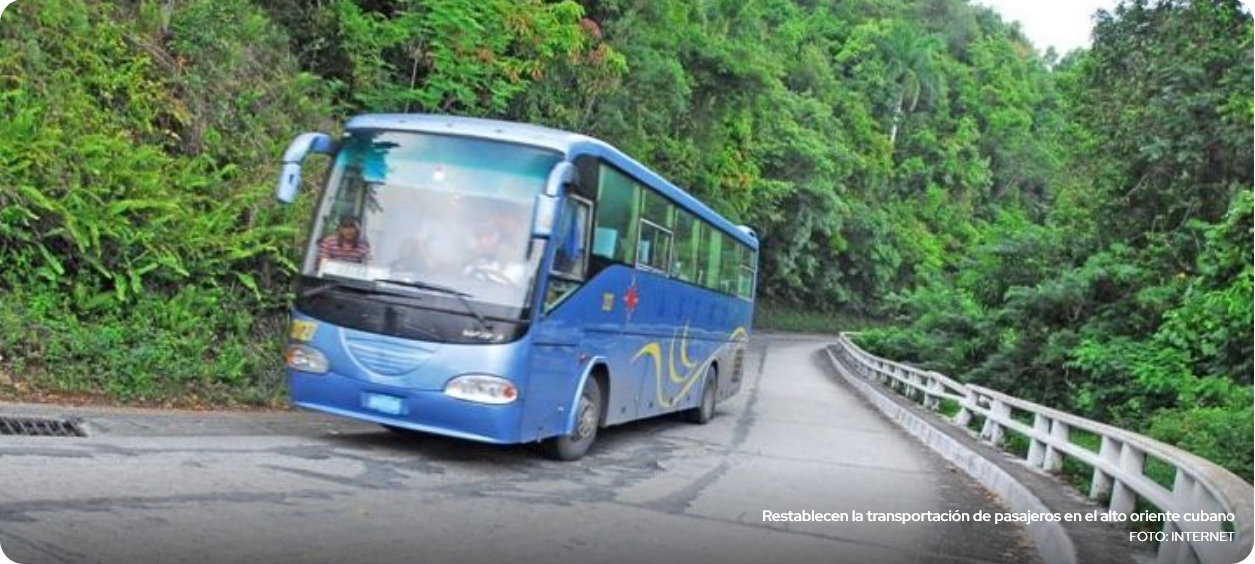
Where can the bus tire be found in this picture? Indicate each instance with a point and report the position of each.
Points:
(705, 410)
(587, 419)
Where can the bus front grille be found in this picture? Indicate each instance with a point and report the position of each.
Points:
(385, 357)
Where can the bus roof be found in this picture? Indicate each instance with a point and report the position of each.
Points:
(571, 145)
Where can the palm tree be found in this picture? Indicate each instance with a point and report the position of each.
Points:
(911, 56)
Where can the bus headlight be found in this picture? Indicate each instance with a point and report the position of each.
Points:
(482, 388)
(305, 359)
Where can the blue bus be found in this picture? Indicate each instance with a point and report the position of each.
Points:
(509, 283)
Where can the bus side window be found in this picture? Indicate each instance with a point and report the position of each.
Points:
(749, 267)
(618, 208)
(730, 268)
(657, 219)
(712, 248)
(571, 255)
(570, 258)
(684, 263)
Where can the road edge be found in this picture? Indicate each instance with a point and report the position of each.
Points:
(1053, 542)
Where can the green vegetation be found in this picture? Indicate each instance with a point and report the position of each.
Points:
(1075, 229)
(1129, 300)
(777, 316)
(141, 254)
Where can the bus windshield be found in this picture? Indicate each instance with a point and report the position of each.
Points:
(431, 213)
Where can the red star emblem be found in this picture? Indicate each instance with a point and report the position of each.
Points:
(632, 298)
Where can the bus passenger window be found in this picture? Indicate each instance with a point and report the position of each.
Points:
(745, 284)
(713, 249)
(730, 268)
(684, 263)
(618, 207)
(655, 247)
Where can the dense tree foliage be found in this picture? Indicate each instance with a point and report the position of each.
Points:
(1077, 230)
(1131, 299)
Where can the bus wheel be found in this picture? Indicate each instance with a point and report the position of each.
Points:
(705, 411)
(587, 418)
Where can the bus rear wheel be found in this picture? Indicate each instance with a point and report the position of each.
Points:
(705, 411)
(587, 419)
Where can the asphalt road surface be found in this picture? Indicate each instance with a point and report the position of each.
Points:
(300, 487)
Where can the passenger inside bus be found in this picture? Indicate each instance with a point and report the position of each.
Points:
(346, 244)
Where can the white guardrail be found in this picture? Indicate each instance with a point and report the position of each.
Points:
(1199, 485)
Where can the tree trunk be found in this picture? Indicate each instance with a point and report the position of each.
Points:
(897, 119)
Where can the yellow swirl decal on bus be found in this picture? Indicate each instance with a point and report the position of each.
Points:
(684, 349)
(693, 370)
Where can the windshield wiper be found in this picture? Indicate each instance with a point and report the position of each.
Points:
(460, 295)
(329, 285)
(372, 286)
(422, 286)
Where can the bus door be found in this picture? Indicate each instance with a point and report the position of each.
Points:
(556, 361)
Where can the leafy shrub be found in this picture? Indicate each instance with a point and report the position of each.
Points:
(143, 258)
(191, 349)
(1215, 433)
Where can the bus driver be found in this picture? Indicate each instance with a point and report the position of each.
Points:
(491, 260)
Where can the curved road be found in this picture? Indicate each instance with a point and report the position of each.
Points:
(299, 487)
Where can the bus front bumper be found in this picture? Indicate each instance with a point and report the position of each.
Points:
(428, 411)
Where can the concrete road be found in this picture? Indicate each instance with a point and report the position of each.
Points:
(300, 487)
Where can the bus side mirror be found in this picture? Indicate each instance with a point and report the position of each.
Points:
(546, 216)
(547, 202)
(290, 173)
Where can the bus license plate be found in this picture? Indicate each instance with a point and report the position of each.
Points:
(383, 404)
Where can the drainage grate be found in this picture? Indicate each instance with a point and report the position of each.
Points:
(41, 427)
